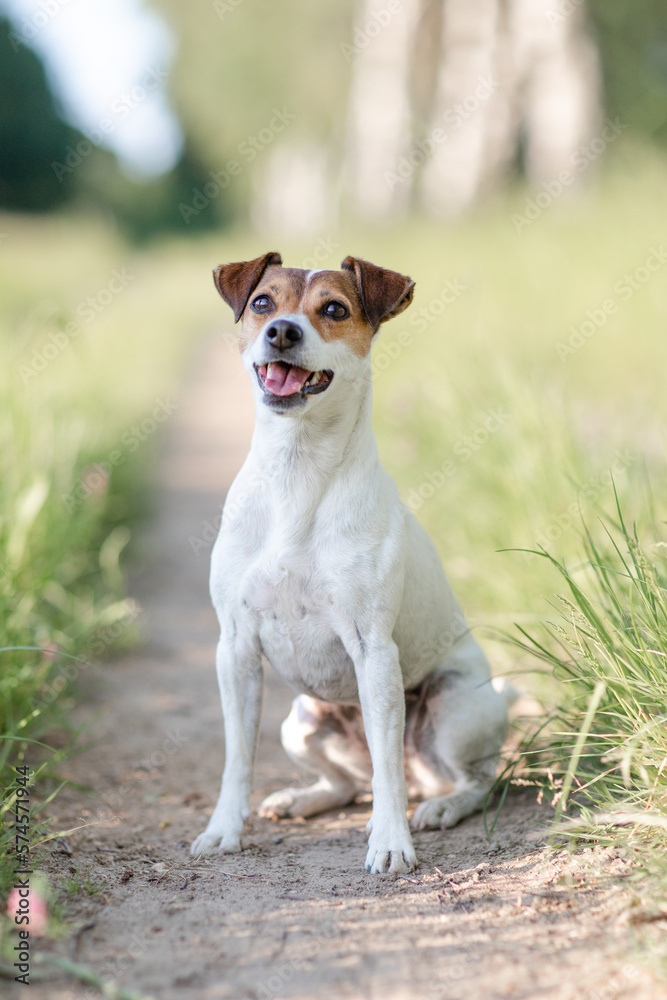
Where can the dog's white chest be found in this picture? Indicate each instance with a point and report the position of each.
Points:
(293, 611)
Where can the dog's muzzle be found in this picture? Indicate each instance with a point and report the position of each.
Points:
(283, 382)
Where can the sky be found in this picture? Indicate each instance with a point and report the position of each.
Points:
(107, 62)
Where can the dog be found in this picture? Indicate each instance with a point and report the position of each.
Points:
(320, 568)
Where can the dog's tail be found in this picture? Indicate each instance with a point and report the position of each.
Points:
(507, 690)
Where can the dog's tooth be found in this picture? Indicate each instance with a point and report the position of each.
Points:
(315, 378)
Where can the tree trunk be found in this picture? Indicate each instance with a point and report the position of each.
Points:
(380, 115)
(466, 98)
(515, 81)
(560, 77)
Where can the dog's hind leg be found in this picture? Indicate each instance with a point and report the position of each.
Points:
(462, 732)
(329, 741)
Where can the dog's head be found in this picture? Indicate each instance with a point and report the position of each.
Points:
(303, 333)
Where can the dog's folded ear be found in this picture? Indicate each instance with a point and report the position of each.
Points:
(383, 293)
(236, 282)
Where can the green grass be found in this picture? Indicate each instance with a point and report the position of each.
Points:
(602, 754)
(548, 430)
(81, 884)
(76, 378)
(63, 527)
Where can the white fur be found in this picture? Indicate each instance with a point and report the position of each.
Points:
(321, 568)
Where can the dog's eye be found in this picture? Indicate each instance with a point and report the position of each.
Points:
(262, 304)
(336, 310)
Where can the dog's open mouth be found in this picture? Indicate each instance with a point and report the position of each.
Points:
(278, 378)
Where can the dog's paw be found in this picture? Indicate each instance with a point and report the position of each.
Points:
(393, 854)
(279, 805)
(396, 861)
(438, 813)
(214, 842)
(304, 802)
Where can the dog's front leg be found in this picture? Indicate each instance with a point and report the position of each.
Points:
(240, 679)
(382, 699)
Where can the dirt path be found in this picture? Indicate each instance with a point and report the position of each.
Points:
(294, 915)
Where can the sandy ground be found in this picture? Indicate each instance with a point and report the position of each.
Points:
(294, 915)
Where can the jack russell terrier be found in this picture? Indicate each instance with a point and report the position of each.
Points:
(320, 568)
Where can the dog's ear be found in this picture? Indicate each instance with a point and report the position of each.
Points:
(236, 282)
(383, 293)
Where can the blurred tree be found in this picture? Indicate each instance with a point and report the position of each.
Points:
(172, 203)
(509, 79)
(240, 60)
(632, 39)
(46, 163)
(269, 90)
(32, 134)
(323, 63)
(381, 129)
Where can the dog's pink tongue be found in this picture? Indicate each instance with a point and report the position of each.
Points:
(282, 380)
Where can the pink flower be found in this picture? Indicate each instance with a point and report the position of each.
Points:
(32, 905)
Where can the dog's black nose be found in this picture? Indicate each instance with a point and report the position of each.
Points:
(284, 333)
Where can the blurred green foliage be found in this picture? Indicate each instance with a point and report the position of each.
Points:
(75, 379)
(32, 132)
(632, 39)
(238, 59)
(237, 62)
(46, 163)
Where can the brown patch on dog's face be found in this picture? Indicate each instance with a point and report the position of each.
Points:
(347, 305)
(235, 282)
(282, 288)
(332, 304)
(329, 300)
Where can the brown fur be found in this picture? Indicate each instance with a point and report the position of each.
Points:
(371, 294)
(291, 294)
(235, 282)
